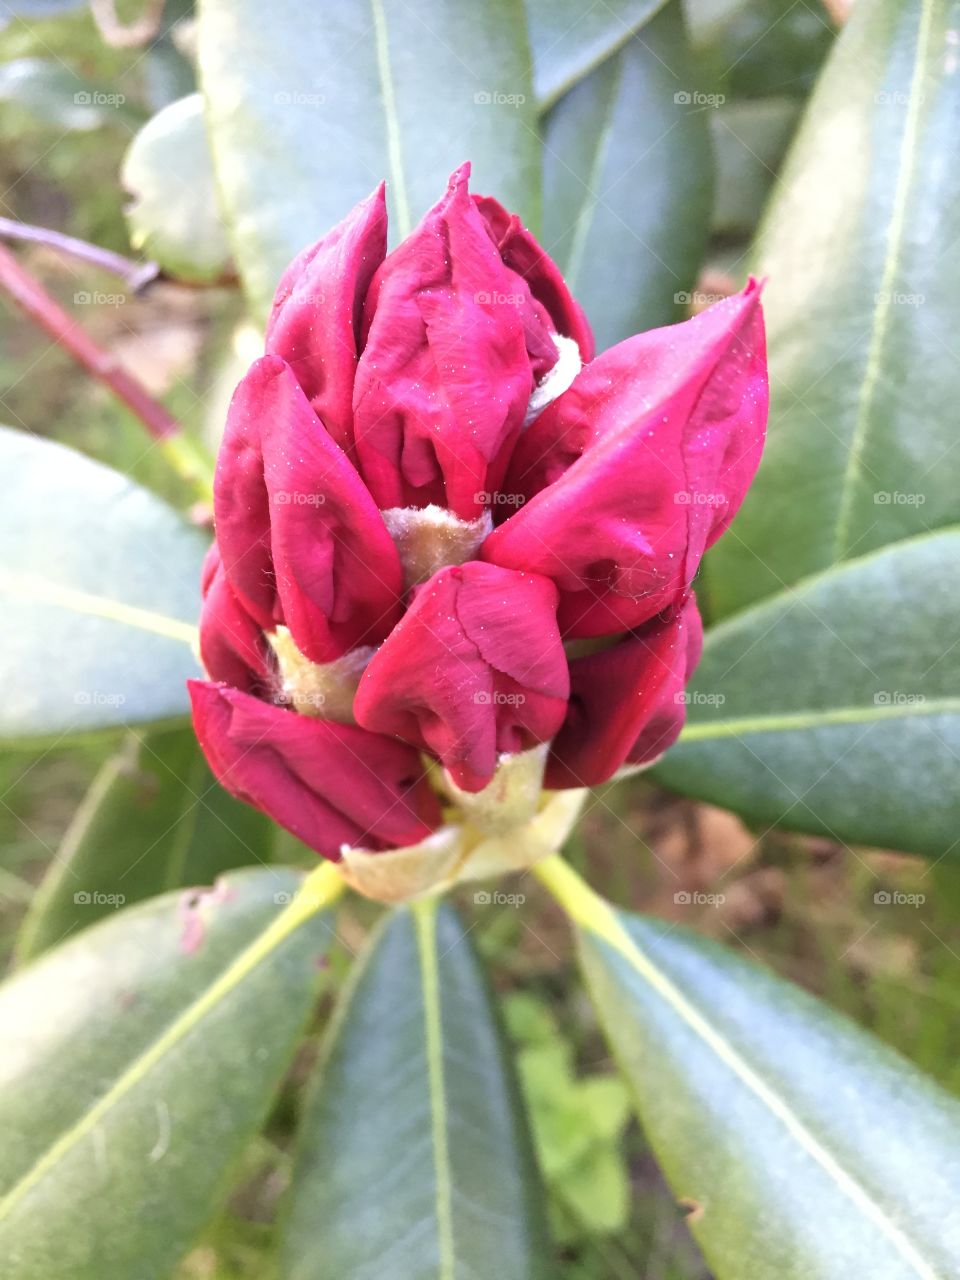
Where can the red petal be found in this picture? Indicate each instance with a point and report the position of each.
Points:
(337, 572)
(241, 506)
(626, 702)
(646, 459)
(232, 645)
(521, 252)
(475, 668)
(330, 784)
(315, 322)
(444, 379)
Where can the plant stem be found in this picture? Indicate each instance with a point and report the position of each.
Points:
(584, 907)
(135, 275)
(44, 310)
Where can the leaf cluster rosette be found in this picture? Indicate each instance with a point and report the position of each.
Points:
(455, 549)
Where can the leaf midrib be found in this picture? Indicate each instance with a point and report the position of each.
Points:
(786, 722)
(391, 120)
(883, 299)
(30, 586)
(425, 919)
(593, 914)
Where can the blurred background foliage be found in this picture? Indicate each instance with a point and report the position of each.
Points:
(71, 102)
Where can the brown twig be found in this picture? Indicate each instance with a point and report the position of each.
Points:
(135, 275)
(44, 310)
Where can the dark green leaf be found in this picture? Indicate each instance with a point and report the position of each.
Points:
(749, 140)
(173, 216)
(803, 1148)
(308, 114)
(414, 1161)
(862, 250)
(139, 1060)
(835, 707)
(628, 183)
(154, 819)
(100, 592)
(755, 48)
(570, 40)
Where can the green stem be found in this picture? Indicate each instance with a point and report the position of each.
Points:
(584, 907)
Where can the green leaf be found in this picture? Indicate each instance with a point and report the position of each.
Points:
(308, 111)
(55, 95)
(755, 48)
(154, 819)
(749, 140)
(862, 249)
(835, 707)
(570, 40)
(100, 589)
(414, 1161)
(139, 1060)
(173, 217)
(627, 183)
(806, 1149)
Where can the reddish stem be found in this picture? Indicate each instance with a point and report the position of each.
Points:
(45, 311)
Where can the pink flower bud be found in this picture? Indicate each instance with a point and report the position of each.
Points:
(447, 535)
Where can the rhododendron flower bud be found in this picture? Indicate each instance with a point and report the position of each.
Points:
(476, 668)
(456, 551)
